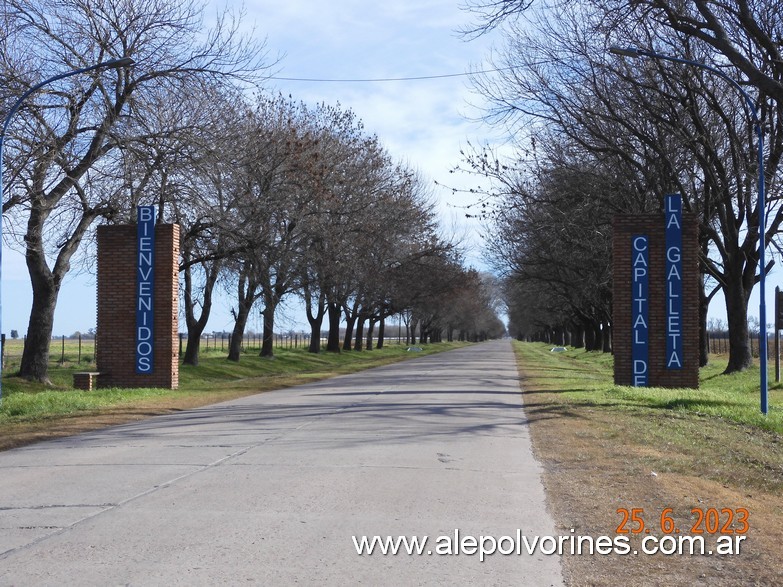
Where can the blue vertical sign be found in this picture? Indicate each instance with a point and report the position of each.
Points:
(673, 222)
(640, 305)
(145, 278)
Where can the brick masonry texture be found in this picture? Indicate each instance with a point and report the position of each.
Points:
(116, 336)
(625, 226)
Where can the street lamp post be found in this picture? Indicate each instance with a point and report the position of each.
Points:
(110, 64)
(635, 52)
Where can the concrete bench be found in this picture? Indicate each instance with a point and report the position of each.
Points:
(85, 380)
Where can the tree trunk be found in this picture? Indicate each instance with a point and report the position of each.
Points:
(45, 283)
(578, 336)
(246, 297)
(196, 326)
(740, 356)
(315, 320)
(590, 342)
(606, 334)
(35, 356)
(333, 342)
(235, 344)
(350, 321)
(358, 345)
(268, 343)
(381, 333)
(370, 332)
(598, 336)
(192, 348)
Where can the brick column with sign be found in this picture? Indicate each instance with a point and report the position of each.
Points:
(118, 286)
(661, 370)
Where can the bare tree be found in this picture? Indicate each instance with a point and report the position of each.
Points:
(747, 34)
(206, 195)
(555, 235)
(659, 128)
(269, 159)
(67, 138)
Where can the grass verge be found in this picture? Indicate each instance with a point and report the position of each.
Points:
(606, 448)
(31, 411)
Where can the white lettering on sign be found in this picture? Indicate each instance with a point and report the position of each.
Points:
(674, 330)
(145, 286)
(639, 310)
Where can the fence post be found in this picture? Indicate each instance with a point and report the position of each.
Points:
(62, 354)
(80, 348)
(2, 350)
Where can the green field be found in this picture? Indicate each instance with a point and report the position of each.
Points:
(587, 378)
(62, 353)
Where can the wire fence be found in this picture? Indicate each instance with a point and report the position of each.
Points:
(71, 351)
(220, 342)
(718, 344)
(63, 351)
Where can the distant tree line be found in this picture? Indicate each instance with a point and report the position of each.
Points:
(312, 206)
(275, 198)
(597, 134)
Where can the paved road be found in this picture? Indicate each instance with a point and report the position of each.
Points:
(270, 489)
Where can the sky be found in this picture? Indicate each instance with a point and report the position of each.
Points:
(424, 123)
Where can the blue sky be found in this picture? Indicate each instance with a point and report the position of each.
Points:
(423, 122)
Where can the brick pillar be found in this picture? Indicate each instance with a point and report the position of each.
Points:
(652, 225)
(116, 332)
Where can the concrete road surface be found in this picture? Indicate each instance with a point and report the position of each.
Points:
(280, 488)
